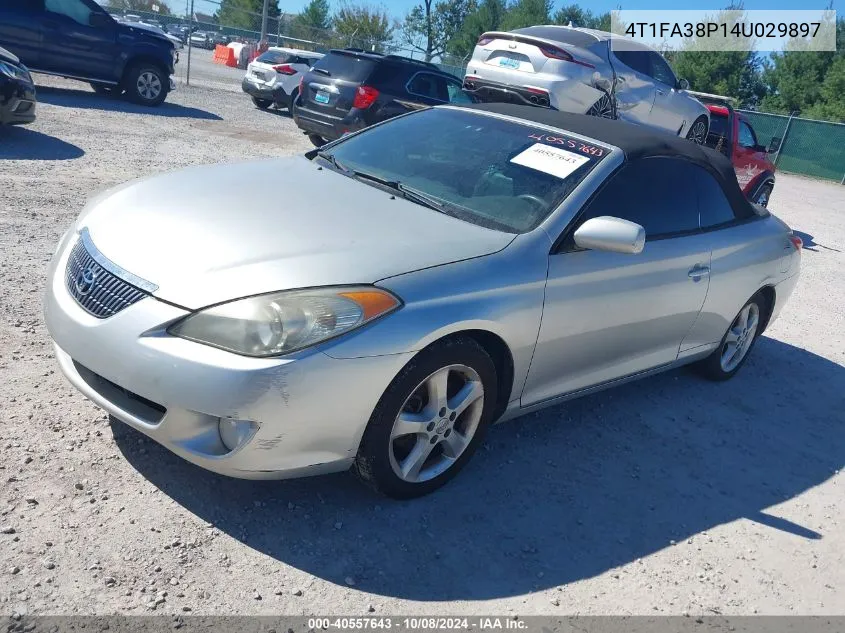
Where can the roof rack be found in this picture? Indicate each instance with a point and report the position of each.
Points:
(410, 60)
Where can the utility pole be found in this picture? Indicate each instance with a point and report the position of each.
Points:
(190, 32)
(264, 15)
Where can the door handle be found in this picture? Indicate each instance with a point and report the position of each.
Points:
(697, 272)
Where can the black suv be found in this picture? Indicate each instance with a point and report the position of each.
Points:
(80, 40)
(350, 89)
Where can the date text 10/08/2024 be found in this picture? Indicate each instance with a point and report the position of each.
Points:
(422, 623)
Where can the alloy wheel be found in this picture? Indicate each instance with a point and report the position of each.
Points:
(698, 133)
(740, 337)
(436, 423)
(149, 85)
(603, 108)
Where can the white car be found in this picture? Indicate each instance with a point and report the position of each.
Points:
(273, 77)
(577, 70)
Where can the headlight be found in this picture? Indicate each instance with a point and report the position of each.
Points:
(14, 72)
(282, 322)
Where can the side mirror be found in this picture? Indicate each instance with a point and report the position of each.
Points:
(683, 84)
(607, 233)
(99, 20)
(774, 144)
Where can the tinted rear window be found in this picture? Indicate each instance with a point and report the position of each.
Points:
(348, 67)
(274, 57)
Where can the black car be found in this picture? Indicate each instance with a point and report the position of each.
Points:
(17, 92)
(350, 89)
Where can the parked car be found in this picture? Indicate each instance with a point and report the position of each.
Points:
(733, 135)
(576, 70)
(420, 279)
(78, 39)
(177, 42)
(178, 30)
(220, 38)
(17, 91)
(349, 89)
(273, 77)
(202, 39)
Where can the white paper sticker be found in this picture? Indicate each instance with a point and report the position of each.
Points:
(551, 160)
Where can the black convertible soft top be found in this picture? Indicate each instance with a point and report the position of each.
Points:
(635, 141)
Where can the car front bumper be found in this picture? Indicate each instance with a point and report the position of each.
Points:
(311, 409)
(17, 102)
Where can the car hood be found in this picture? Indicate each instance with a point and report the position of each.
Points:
(145, 30)
(205, 235)
(8, 56)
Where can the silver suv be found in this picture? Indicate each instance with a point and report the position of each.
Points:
(575, 70)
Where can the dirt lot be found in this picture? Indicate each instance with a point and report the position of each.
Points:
(666, 496)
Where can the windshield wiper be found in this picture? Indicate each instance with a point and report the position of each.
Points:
(409, 193)
(329, 158)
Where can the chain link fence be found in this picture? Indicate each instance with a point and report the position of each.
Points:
(808, 147)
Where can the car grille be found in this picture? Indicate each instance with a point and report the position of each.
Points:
(97, 290)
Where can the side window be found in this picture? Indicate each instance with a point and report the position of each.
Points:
(32, 6)
(429, 86)
(76, 10)
(654, 193)
(637, 60)
(456, 92)
(747, 137)
(713, 206)
(660, 70)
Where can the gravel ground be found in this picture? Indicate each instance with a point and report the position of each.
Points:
(666, 496)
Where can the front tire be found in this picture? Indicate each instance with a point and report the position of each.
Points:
(146, 84)
(430, 420)
(698, 131)
(736, 344)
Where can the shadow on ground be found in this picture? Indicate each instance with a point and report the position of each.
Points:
(554, 497)
(811, 245)
(23, 143)
(87, 100)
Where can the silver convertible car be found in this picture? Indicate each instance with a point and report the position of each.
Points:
(422, 279)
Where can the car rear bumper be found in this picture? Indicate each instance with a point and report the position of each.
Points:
(17, 102)
(327, 126)
(263, 91)
(494, 91)
(310, 409)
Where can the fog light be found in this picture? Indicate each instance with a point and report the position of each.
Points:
(236, 433)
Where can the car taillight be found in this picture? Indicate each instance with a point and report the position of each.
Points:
(484, 40)
(285, 69)
(797, 242)
(553, 52)
(365, 96)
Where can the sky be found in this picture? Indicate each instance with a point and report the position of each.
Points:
(398, 8)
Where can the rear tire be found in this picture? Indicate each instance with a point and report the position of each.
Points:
(292, 101)
(262, 103)
(146, 84)
(317, 140)
(763, 195)
(603, 108)
(698, 131)
(737, 343)
(430, 420)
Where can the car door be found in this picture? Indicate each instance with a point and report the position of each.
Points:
(634, 87)
(749, 158)
(20, 29)
(72, 46)
(668, 112)
(610, 315)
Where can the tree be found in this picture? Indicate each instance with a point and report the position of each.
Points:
(244, 14)
(582, 17)
(313, 21)
(429, 27)
(362, 25)
(524, 13)
(488, 15)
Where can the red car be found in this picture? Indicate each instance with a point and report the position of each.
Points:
(732, 134)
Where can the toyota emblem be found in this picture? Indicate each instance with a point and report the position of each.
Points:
(85, 280)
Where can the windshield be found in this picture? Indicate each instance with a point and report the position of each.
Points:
(345, 66)
(497, 173)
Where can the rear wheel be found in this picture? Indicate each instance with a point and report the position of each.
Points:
(736, 345)
(763, 195)
(146, 84)
(317, 140)
(603, 108)
(292, 102)
(262, 103)
(430, 420)
(698, 131)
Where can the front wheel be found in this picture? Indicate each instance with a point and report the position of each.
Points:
(430, 420)
(698, 131)
(737, 342)
(146, 84)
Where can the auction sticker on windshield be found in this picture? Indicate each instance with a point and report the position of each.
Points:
(550, 160)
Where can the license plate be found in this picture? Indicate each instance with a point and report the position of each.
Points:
(322, 97)
(507, 62)
(259, 75)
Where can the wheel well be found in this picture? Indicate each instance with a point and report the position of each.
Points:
(502, 359)
(143, 59)
(768, 293)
